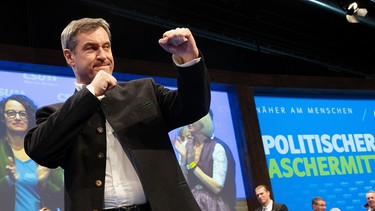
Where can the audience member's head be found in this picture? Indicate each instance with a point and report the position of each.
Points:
(370, 197)
(318, 204)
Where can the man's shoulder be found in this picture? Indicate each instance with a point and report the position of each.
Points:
(278, 205)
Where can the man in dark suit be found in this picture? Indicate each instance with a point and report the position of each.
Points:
(111, 138)
(264, 198)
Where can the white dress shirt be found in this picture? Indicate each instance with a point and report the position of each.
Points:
(268, 207)
(122, 185)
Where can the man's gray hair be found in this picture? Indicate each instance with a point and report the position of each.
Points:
(69, 34)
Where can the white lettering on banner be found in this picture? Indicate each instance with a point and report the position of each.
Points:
(301, 110)
(271, 110)
(327, 110)
(63, 96)
(8, 92)
(315, 143)
(38, 77)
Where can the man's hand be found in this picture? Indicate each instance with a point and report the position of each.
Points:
(103, 82)
(180, 42)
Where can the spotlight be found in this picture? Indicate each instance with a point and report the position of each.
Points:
(353, 12)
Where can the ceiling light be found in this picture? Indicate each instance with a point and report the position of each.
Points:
(353, 12)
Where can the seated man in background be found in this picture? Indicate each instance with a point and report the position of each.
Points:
(264, 198)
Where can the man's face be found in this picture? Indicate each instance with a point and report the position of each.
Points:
(371, 200)
(92, 53)
(320, 206)
(263, 196)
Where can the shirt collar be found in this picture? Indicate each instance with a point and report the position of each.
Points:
(79, 86)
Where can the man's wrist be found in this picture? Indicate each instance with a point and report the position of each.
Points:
(179, 62)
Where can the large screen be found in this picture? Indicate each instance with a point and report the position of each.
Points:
(45, 84)
(224, 130)
(319, 145)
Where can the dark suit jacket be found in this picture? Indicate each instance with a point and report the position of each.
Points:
(72, 135)
(276, 207)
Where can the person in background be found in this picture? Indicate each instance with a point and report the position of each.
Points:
(182, 137)
(112, 138)
(318, 204)
(366, 206)
(209, 171)
(230, 183)
(335, 209)
(24, 185)
(370, 197)
(264, 197)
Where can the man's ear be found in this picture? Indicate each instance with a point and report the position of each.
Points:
(68, 55)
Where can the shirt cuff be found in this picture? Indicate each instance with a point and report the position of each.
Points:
(187, 64)
(91, 89)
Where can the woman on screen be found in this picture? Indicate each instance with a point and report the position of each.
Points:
(209, 166)
(24, 185)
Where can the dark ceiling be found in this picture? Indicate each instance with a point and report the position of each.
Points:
(292, 37)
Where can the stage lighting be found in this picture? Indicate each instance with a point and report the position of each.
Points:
(353, 12)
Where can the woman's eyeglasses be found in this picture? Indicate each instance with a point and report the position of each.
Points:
(11, 114)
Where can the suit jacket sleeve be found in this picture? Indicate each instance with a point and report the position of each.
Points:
(57, 126)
